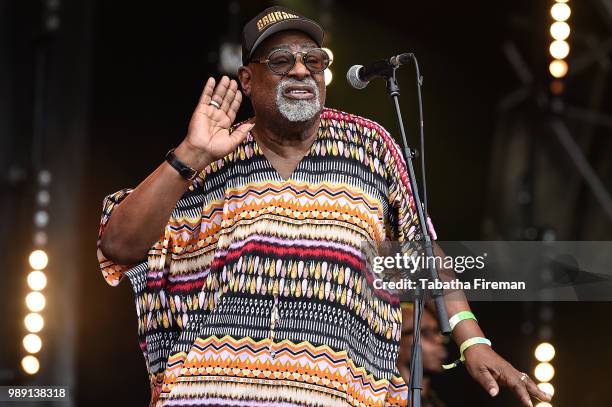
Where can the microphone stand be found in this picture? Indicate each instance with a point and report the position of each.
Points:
(416, 364)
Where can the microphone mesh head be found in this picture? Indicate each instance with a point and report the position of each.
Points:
(352, 76)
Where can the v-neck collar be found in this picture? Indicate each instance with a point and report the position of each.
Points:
(268, 163)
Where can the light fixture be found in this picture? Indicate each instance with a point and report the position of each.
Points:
(545, 352)
(41, 218)
(328, 76)
(559, 49)
(32, 343)
(30, 364)
(560, 12)
(544, 372)
(43, 197)
(560, 30)
(34, 322)
(558, 68)
(547, 388)
(37, 280)
(38, 259)
(35, 301)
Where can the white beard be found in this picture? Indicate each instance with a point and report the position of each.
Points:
(298, 110)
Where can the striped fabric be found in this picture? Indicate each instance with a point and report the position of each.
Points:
(257, 293)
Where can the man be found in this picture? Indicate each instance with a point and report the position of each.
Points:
(433, 351)
(244, 247)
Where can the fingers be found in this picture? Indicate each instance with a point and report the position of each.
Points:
(524, 389)
(207, 92)
(486, 380)
(233, 109)
(535, 391)
(226, 95)
(229, 96)
(489, 369)
(518, 386)
(221, 90)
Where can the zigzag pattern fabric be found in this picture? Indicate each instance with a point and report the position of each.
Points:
(258, 293)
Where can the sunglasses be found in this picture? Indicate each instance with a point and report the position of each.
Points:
(281, 61)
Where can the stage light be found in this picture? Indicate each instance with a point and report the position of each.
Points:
(560, 30)
(30, 364)
(559, 49)
(38, 259)
(543, 404)
(557, 87)
(40, 238)
(32, 343)
(34, 322)
(44, 178)
(558, 68)
(545, 352)
(330, 53)
(547, 388)
(43, 198)
(35, 301)
(328, 76)
(41, 218)
(544, 372)
(230, 58)
(37, 280)
(560, 12)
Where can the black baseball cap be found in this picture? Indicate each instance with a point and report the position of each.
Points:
(273, 20)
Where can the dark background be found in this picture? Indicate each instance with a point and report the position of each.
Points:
(99, 97)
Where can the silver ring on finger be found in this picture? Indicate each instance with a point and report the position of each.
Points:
(215, 104)
(524, 376)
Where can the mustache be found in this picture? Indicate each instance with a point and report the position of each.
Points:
(283, 84)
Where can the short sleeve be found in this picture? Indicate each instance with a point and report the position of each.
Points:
(180, 237)
(401, 199)
(112, 272)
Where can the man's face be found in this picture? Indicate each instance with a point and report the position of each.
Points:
(297, 96)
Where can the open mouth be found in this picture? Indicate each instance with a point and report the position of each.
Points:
(298, 92)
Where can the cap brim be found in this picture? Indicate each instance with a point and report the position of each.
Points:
(309, 27)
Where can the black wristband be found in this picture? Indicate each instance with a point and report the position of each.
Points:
(185, 171)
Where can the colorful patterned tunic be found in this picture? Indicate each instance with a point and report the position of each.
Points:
(256, 295)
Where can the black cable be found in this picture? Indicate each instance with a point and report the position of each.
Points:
(419, 82)
(421, 134)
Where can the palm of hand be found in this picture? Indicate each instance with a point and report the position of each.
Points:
(209, 128)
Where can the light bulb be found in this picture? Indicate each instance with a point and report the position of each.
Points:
(34, 322)
(37, 280)
(32, 343)
(545, 352)
(30, 364)
(38, 259)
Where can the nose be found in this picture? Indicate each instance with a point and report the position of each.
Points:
(299, 70)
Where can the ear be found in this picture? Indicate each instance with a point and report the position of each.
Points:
(245, 76)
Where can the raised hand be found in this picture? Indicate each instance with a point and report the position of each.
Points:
(208, 137)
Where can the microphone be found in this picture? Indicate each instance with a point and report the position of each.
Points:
(359, 76)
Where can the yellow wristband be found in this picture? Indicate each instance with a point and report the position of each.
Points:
(469, 342)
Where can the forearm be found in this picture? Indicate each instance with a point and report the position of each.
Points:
(139, 220)
(455, 302)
